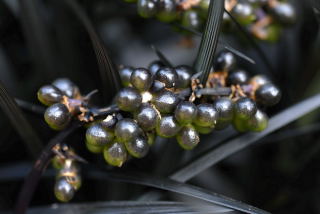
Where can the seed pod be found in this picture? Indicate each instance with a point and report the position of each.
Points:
(98, 136)
(167, 127)
(185, 112)
(126, 130)
(128, 99)
(188, 137)
(115, 154)
(237, 77)
(284, 13)
(245, 108)
(147, 8)
(141, 79)
(207, 115)
(166, 101)
(184, 76)
(244, 13)
(67, 87)
(57, 116)
(155, 66)
(168, 76)
(203, 130)
(147, 117)
(225, 61)
(125, 74)
(191, 19)
(49, 95)
(63, 191)
(138, 147)
(166, 10)
(94, 148)
(258, 122)
(268, 95)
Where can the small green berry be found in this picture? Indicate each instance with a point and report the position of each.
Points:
(126, 130)
(98, 136)
(258, 122)
(167, 127)
(138, 147)
(57, 116)
(115, 154)
(63, 191)
(207, 115)
(185, 112)
(128, 99)
(49, 95)
(188, 137)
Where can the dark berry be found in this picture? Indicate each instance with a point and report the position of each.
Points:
(109, 122)
(284, 12)
(126, 130)
(244, 13)
(167, 127)
(191, 19)
(225, 61)
(188, 137)
(245, 108)
(237, 77)
(258, 122)
(141, 79)
(166, 101)
(184, 76)
(147, 8)
(138, 147)
(125, 74)
(94, 148)
(67, 87)
(63, 191)
(185, 112)
(268, 94)
(166, 10)
(168, 76)
(155, 66)
(207, 115)
(128, 99)
(98, 136)
(147, 117)
(259, 80)
(157, 86)
(115, 154)
(49, 95)
(57, 116)
(224, 107)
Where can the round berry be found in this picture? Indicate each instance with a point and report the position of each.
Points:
(141, 79)
(284, 13)
(185, 112)
(166, 101)
(225, 61)
(155, 66)
(258, 122)
(167, 127)
(188, 137)
(138, 147)
(94, 148)
(244, 13)
(259, 80)
(125, 74)
(126, 130)
(57, 116)
(202, 129)
(98, 136)
(224, 107)
(147, 117)
(191, 19)
(240, 124)
(184, 76)
(67, 87)
(71, 177)
(109, 123)
(147, 8)
(128, 99)
(115, 154)
(207, 115)
(166, 10)
(245, 108)
(63, 191)
(49, 95)
(168, 76)
(268, 94)
(157, 86)
(237, 77)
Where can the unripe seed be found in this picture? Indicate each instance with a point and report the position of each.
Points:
(207, 115)
(126, 130)
(57, 116)
(141, 79)
(245, 108)
(125, 74)
(115, 154)
(94, 148)
(188, 138)
(258, 122)
(138, 147)
(166, 101)
(185, 112)
(98, 136)
(167, 127)
(49, 95)
(128, 99)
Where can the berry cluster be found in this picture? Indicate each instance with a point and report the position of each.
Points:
(263, 18)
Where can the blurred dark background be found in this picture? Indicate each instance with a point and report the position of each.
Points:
(280, 174)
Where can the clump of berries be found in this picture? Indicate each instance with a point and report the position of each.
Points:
(263, 18)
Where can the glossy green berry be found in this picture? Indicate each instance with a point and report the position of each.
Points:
(245, 108)
(188, 137)
(284, 13)
(185, 112)
(125, 74)
(237, 77)
(67, 87)
(138, 147)
(184, 76)
(167, 127)
(63, 191)
(258, 122)
(244, 13)
(115, 154)
(268, 94)
(168, 76)
(155, 66)
(94, 148)
(147, 117)
(224, 107)
(70, 172)
(141, 79)
(167, 11)
(128, 99)
(98, 136)
(207, 115)
(57, 116)
(191, 19)
(202, 129)
(126, 130)
(147, 8)
(49, 95)
(225, 61)
(240, 124)
(166, 101)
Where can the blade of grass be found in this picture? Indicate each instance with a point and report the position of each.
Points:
(30, 106)
(209, 41)
(109, 74)
(161, 56)
(19, 122)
